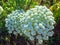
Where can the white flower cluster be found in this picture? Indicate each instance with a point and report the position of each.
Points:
(1, 9)
(13, 21)
(37, 22)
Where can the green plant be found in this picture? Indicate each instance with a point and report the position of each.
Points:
(56, 12)
(36, 23)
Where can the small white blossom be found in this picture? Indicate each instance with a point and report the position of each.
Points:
(50, 33)
(40, 41)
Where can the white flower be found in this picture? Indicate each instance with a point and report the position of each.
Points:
(44, 33)
(50, 33)
(40, 41)
(39, 37)
(39, 31)
(41, 26)
(31, 38)
(25, 26)
(33, 33)
(27, 34)
(45, 37)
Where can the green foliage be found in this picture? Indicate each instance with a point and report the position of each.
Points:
(57, 15)
(48, 3)
(26, 4)
(11, 5)
(56, 11)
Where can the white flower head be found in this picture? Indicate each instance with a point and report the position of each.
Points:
(42, 22)
(13, 21)
(38, 21)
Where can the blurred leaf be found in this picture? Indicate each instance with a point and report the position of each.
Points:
(56, 11)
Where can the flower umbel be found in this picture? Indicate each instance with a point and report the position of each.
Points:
(37, 22)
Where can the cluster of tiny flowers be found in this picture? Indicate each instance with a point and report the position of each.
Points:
(37, 22)
(13, 21)
(1, 9)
